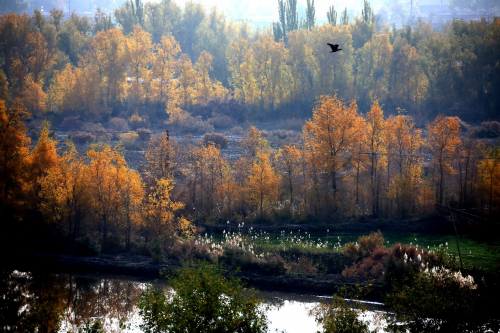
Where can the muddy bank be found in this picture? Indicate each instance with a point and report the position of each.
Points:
(144, 267)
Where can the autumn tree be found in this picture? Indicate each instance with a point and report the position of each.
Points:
(139, 53)
(332, 133)
(253, 142)
(204, 88)
(164, 69)
(132, 195)
(4, 87)
(375, 148)
(33, 96)
(65, 195)
(359, 163)
(263, 183)
(270, 71)
(214, 35)
(161, 222)
(228, 193)
(40, 160)
(467, 155)
(443, 139)
(42, 55)
(186, 82)
(14, 148)
(489, 177)
(288, 158)
(114, 67)
(409, 82)
(405, 152)
(241, 64)
(331, 73)
(375, 59)
(300, 57)
(107, 169)
(161, 157)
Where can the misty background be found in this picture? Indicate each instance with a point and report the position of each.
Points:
(261, 13)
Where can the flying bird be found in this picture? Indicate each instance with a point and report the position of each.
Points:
(335, 47)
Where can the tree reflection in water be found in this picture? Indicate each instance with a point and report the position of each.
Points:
(52, 302)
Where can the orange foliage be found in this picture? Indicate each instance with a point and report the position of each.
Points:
(14, 151)
(332, 133)
(443, 140)
(263, 183)
(43, 158)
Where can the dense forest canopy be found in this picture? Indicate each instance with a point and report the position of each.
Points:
(156, 50)
(386, 135)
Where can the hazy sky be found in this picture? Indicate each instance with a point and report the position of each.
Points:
(268, 9)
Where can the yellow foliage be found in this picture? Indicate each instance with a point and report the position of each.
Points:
(263, 183)
(332, 133)
(129, 139)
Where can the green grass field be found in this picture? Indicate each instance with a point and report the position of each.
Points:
(475, 252)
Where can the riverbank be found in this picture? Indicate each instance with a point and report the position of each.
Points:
(144, 267)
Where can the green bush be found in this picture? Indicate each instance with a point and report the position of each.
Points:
(441, 300)
(205, 300)
(156, 251)
(91, 327)
(343, 317)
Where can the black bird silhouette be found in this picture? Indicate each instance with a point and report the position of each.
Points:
(335, 47)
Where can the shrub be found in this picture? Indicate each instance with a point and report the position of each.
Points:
(195, 125)
(246, 260)
(118, 124)
(302, 266)
(91, 326)
(440, 300)
(220, 121)
(82, 137)
(272, 264)
(189, 250)
(137, 121)
(129, 140)
(230, 107)
(34, 128)
(364, 246)
(294, 124)
(156, 251)
(205, 300)
(491, 125)
(71, 123)
(405, 262)
(401, 263)
(485, 134)
(96, 129)
(87, 247)
(370, 267)
(144, 134)
(219, 140)
(282, 134)
(343, 317)
(237, 130)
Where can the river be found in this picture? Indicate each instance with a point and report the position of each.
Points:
(65, 302)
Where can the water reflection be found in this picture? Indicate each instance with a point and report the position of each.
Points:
(60, 302)
(63, 303)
